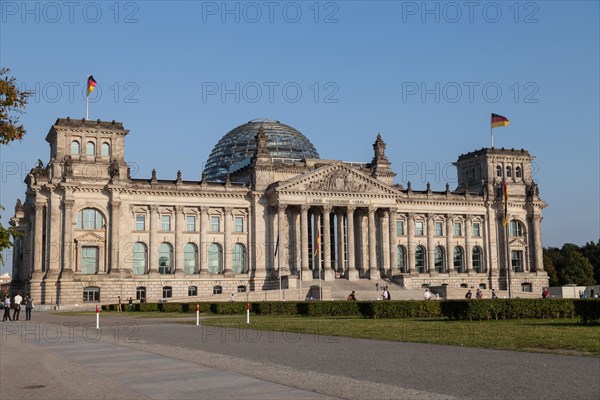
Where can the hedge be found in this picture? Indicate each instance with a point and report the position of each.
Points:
(588, 310)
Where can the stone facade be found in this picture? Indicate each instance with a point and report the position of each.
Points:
(92, 233)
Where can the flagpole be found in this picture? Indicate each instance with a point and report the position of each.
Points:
(87, 96)
(279, 258)
(491, 131)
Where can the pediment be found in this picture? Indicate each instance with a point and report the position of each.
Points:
(517, 242)
(336, 178)
(90, 237)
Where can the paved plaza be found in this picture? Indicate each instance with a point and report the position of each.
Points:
(56, 357)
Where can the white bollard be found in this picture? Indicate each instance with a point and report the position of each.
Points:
(247, 313)
(197, 314)
(97, 316)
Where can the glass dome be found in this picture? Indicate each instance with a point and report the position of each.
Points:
(237, 147)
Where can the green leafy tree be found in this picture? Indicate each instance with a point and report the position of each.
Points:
(12, 105)
(591, 251)
(575, 269)
(550, 269)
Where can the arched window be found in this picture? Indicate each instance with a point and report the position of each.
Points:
(75, 148)
(476, 260)
(439, 259)
(420, 259)
(190, 258)
(139, 259)
(509, 171)
(90, 218)
(499, 171)
(238, 258)
(90, 149)
(165, 258)
(401, 256)
(105, 150)
(215, 258)
(458, 259)
(516, 228)
(518, 173)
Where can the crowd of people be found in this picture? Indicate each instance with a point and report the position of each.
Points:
(15, 304)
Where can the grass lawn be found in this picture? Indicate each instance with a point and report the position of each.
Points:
(563, 336)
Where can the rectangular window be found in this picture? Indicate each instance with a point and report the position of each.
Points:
(167, 292)
(215, 223)
(89, 259)
(457, 229)
(239, 224)
(190, 225)
(91, 294)
(166, 222)
(517, 260)
(439, 229)
(140, 293)
(400, 228)
(140, 222)
(192, 291)
(476, 229)
(419, 230)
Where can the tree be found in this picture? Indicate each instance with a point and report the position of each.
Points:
(12, 104)
(576, 269)
(550, 269)
(591, 251)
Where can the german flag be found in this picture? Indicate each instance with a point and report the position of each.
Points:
(318, 243)
(499, 120)
(91, 84)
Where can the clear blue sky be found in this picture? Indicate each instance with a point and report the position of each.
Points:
(425, 75)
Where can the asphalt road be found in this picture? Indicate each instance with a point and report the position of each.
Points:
(301, 366)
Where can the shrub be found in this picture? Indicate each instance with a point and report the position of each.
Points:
(507, 309)
(588, 311)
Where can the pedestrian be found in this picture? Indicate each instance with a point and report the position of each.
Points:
(119, 305)
(469, 294)
(545, 293)
(231, 297)
(437, 296)
(130, 304)
(478, 294)
(377, 287)
(352, 296)
(427, 294)
(6, 309)
(494, 295)
(28, 307)
(17, 306)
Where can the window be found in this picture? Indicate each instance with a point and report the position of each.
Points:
(482, 286)
(140, 293)
(526, 287)
(509, 172)
(90, 218)
(215, 258)
(476, 259)
(90, 149)
(239, 224)
(401, 261)
(215, 223)
(91, 294)
(516, 259)
(190, 258)
(420, 259)
(476, 229)
(238, 258)
(190, 223)
(457, 229)
(458, 259)
(499, 171)
(439, 259)
(217, 289)
(167, 292)
(165, 258)
(192, 291)
(140, 222)
(75, 148)
(419, 231)
(515, 228)
(439, 229)
(464, 285)
(400, 228)
(105, 150)
(518, 172)
(165, 222)
(241, 289)
(89, 259)
(139, 259)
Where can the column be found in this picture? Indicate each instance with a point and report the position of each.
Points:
(115, 221)
(53, 240)
(537, 241)
(410, 229)
(179, 228)
(385, 242)
(282, 233)
(449, 248)
(203, 241)
(393, 241)
(304, 241)
(372, 243)
(68, 235)
(227, 226)
(430, 265)
(39, 234)
(352, 271)
(327, 265)
(317, 234)
(152, 248)
(468, 245)
(297, 267)
(340, 241)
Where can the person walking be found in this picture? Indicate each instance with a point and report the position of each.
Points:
(28, 307)
(119, 305)
(494, 295)
(130, 304)
(352, 296)
(427, 294)
(469, 294)
(6, 309)
(17, 306)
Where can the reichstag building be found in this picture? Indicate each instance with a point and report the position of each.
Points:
(267, 210)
